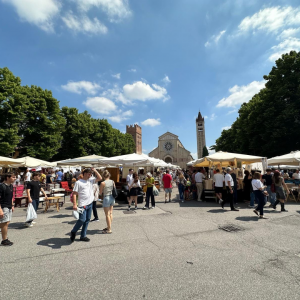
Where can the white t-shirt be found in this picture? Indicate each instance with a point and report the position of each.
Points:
(85, 191)
(218, 180)
(138, 184)
(228, 178)
(128, 178)
(28, 176)
(296, 175)
(256, 184)
(199, 177)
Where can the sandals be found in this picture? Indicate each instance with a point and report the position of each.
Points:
(106, 231)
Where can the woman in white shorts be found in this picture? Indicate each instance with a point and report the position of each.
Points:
(106, 188)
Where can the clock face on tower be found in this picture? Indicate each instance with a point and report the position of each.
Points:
(168, 146)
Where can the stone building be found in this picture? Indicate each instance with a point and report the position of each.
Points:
(136, 132)
(171, 150)
(200, 130)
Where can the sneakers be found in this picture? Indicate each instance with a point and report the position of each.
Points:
(95, 220)
(152, 207)
(145, 207)
(33, 222)
(222, 203)
(28, 224)
(128, 208)
(85, 239)
(72, 236)
(135, 207)
(6, 242)
(251, 206)
(235, 209)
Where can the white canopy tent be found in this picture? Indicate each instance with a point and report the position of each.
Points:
(190, 163)
(31, 162)
(9, 162)
(87, 161)
(228, 159)
(292, 159)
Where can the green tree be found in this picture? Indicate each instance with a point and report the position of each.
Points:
(204, 152)
(11, 104)
(41, 130)
(268, 125)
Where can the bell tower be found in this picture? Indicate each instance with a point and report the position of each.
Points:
(136, 132)
(200, 131)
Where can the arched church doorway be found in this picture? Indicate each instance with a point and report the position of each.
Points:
(168, 160)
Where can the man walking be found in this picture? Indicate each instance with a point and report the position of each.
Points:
(199, 177)
(229, 187)
(128, 180)
(33, 190)
(218, 181)
(59, 176)
(83, 188)
(167, 181)
(6, 206)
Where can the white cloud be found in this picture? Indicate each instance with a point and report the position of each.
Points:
(116, 10)
(232, 111)
(290, 32)
(132, 70)
(151, 122)
(195, 155)
(84, 24)
(241, 94)
(166, 80)
(211, 151)
(284, 47)
(205, 117)
(226, 128)
(212, 117)
(271, 19)
(214, 39)
(79, 86)
(101, 105)
(117, 76)
(121, 116)
(37, 12)
(142, 91)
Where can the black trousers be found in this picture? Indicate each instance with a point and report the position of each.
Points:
(149, 194)
(229, 197)
(95, 213)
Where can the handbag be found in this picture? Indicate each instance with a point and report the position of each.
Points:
(155, 191)
(273, 189)
(114, 192)
(31, 214)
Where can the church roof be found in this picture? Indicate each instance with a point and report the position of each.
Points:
(168, 133)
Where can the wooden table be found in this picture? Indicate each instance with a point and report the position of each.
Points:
(54, 203)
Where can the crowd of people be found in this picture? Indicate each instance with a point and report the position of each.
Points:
(88, 185)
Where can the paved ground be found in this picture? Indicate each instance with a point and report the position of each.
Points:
(175, 251)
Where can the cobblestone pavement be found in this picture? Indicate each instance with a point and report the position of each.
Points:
(175, 251)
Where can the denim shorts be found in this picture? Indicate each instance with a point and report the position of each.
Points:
(169, 190)
(7, 215)
(108, 201)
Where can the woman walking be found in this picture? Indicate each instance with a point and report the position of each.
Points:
(280, 194)
(150, 183)
(134, 186)
(181, 186)
(106, 188)
(258, 189)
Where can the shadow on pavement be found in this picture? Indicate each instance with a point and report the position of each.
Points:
(70, 222)
(55, 243)
(19, 225)
(61, 216)
(217, 211)
(247, 219)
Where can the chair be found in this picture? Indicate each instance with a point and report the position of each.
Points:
(18, 195)
(65, 185)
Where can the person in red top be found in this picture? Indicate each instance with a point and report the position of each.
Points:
(167, 180)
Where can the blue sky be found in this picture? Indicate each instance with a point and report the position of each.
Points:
(151, 62)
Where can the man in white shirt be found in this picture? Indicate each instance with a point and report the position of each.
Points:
(229, 187)
(218, 181)
(27, 176)
(128, 180)
(296, 175)
(199, 177)
(83, 188)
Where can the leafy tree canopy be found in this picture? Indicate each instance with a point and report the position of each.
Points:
(268, 125)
